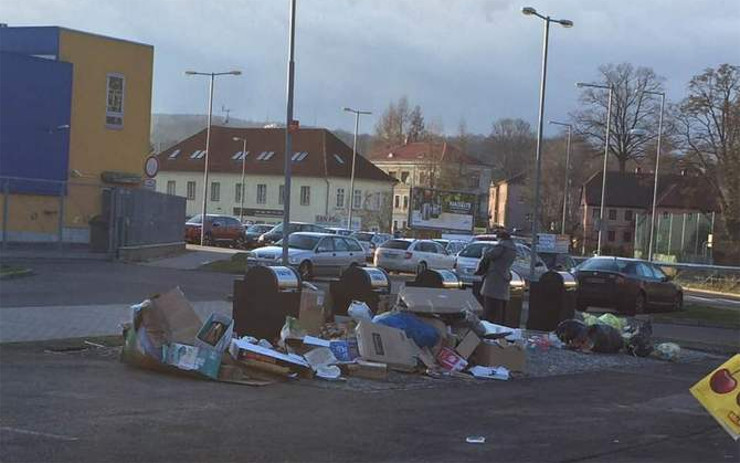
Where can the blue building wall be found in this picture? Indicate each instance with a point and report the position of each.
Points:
(35, 99)
(30, 40)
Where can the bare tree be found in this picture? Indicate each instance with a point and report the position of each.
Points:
(634, 112)
(393, 126)
(416, 131)
(512, 142)
(709, 123)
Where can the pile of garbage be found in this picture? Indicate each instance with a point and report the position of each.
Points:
(428, 331)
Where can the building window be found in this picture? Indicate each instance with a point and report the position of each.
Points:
(612, 214)
(595, 213)
(305, 195)
(395, 225)
(114, 101)
(261, 194)
(191, 191)
(404, 176)
(405, 201)
(375, 204)
(215, 191)
(357, 199)
(397, 202)
(281, 195)
(611, 235)
(628, 215)
(171, 187)
(238, 193)
(392, 174)
(627, 237)
(340, 197)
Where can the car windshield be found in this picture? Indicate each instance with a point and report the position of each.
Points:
(606, 265)
(396, 244)
(550, 259)
(196, 219)
(362, 236)
(475, 250)
(303, 242)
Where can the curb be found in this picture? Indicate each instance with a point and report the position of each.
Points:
(699, 323)
(700, 346)
(16, 274)
(712, 293)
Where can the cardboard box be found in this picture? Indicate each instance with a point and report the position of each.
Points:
(204, 360)
(437, 301)
(345, 350)
(468, 345)
(311, 310)
(243, 350)
(451, 360)
(369, 370)
(216, 332)
(380, 343)
(176, 316)
(500, 353)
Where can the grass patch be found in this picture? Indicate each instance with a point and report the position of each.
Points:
(237, 264)
(715, 315)
(13, 271)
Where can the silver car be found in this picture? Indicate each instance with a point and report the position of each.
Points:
(313, 254)
(467, 261)
(412, 256)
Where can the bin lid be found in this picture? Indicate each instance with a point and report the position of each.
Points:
(281, 278)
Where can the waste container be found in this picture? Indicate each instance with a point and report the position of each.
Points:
(263, 299)
(431, 278)
(366, 284)
(552, 299)
(517, 285)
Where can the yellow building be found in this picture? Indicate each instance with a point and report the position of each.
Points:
(75, 113)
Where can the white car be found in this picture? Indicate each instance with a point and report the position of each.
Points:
(370, 241)
(414, 256)
(313, 254)
(467, 261)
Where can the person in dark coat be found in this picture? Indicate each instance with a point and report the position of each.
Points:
(495, 290)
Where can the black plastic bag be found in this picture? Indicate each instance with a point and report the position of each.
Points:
(604, 339)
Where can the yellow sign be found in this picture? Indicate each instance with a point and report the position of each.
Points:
(719, 393)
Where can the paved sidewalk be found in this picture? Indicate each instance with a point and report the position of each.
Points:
(19, 324)
(699, 337)
(194, 257)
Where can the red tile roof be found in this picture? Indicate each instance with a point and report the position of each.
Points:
(325, 155)
(419, 152)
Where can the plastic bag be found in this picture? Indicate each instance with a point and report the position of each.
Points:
(589, 319)
(604, 339)
(637, 340)
(423, 334)
(358, 310)
(573, 333)
(613, 321)
(668, 351)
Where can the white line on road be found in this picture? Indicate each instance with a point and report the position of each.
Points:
(39, 434)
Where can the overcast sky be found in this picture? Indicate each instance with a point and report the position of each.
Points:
(472, 59)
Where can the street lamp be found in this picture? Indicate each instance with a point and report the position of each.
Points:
(244, 162)
(567, 172)
(606, 156)
(657, 165)
(288, 131)
(357, 114)
(212, 75)
(529, 11)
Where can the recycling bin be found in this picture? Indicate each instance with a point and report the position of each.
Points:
(442, 279)
(552, 299)
(262, 300)
(365, 284)
(517, 287)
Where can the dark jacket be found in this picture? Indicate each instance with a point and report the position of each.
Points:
(500, 259)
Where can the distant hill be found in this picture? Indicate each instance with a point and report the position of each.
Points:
(168, 129)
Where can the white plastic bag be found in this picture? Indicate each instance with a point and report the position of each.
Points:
(358, 310)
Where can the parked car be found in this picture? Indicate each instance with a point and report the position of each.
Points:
(467, 261)
(452, 246)
(276, 233)
(220, 229)
(631, 286)
(313, 254)
(253, 232)
(339, 231)
(370, 241)
(408, 255)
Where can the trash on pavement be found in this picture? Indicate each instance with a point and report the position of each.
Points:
(291, 334)
(718, 393)
(242, 350)
(492, 330)
(311, 315)
(500, 373)
(604, 339)
(320, 356)
(668, 351)
(204, 360)
(437, 301)
(467, 346)
(384, 344)
(475, 440)
(423, 334)
(359, 310)
(501, 353)
(216, 333)
(637, 339)
(370, 370)
(451, 360)
(612, 320)
(345, 350)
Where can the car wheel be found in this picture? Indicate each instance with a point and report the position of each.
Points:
(421, 268)
(305, 270)
(678, 303)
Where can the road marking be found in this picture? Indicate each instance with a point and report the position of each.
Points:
(37, 433)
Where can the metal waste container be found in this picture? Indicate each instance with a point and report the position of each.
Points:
(263, 299)
(552, 299)
(442, 279)
(513, 313)
(366, 284)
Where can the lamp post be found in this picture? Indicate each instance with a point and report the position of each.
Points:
(288, 131)
(606, 156)
(657, 165)
(212, 75)
(529, 11)
(357, 114)
(567, 173)
(244, 162)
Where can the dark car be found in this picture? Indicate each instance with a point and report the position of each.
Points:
(220, 229)
(558, 261)
(630, 286)
(276, 233)
(252, 234)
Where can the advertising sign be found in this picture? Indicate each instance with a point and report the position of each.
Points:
(719, 393)
(548, 242)
(442, 210)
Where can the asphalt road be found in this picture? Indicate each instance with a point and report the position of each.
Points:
(78, 407)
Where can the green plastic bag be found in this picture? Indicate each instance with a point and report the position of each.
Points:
(612, 320)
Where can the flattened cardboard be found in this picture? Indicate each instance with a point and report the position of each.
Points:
(437, 301)
(178, 319)
(369, 370)
(451, 360)
(311, 310)
(204, 360)
(468, 345)
(243, 350)
(500, 353)
(380, 343)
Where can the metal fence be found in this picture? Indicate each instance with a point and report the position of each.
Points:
(681, 237)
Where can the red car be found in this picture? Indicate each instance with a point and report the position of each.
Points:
(220, 230)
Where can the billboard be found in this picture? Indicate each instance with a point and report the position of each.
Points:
(442, 210)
